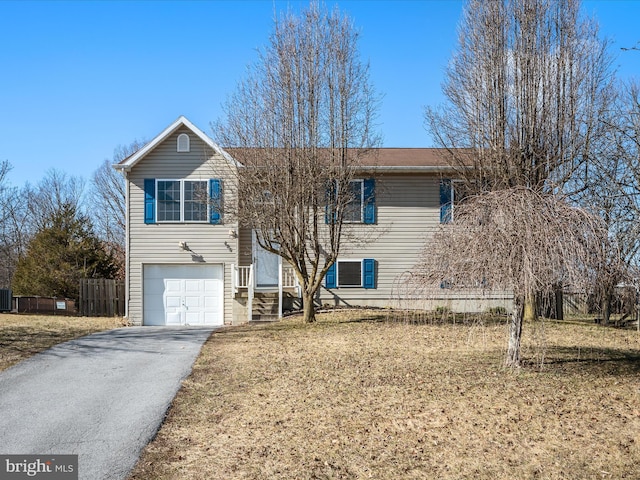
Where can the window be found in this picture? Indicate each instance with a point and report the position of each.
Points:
(353, 210)
(361, 207)
(265, 198)
(184, 143)
(182, 201)
(168, 200)
(449, 196)
(195, 201)
(351, 273)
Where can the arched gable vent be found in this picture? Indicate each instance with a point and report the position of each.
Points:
(183, 143)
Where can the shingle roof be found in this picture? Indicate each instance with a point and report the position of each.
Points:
(406, 157)
(420, 159)
(387, 158)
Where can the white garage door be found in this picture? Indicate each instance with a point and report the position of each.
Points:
(183, 295)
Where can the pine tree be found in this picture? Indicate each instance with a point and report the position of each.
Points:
(60, 254)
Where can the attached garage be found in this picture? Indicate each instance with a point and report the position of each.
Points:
(183, 295)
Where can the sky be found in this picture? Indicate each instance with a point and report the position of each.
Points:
(79, 78)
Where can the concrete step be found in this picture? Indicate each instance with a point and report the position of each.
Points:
(265, 307)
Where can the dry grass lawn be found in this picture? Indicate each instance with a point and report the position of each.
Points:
(22, 336)
(357, 396)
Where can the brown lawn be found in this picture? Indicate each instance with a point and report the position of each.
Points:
(357, 396)
(22, 336)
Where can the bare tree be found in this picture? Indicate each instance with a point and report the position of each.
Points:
(635, 47)
(613, 187)
(525, 93)
(299, 123)
(521, 241)
(627, 160)
(11, 226)
(28, 210)
(54, 192)
(108, 202)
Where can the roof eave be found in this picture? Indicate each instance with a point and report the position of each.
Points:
(408, 168)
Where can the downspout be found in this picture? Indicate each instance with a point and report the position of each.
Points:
(125, 174)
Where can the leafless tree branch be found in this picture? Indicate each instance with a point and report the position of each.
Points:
(298, 123)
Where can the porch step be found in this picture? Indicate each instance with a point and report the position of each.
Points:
(265, 307)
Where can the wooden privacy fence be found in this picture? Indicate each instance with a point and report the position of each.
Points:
(43, 305)
(101, 297)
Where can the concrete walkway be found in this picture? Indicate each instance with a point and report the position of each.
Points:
(102, 397)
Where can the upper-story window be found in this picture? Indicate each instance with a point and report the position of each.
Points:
(449, 196)
(175, 201)
(182, 201)
(361, 204)
(353, 211)
(184, 143)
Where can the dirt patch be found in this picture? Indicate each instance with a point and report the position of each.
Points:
(22, 336)
(356, 396)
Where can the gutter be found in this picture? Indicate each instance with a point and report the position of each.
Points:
(408, 168)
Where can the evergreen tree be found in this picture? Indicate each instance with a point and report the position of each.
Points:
(60, 254)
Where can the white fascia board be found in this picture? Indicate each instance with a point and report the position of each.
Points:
(179, 122)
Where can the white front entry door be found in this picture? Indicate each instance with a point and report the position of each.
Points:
(265, 265)
(183, 295)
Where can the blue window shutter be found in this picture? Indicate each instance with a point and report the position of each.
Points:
(330, 279)
(446, 203)
(369, 201)
(149, 200)
(215, 194)
(368, 273)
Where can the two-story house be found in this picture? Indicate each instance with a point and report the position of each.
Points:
(187, 264)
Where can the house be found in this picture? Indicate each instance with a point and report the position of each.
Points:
(187, 264)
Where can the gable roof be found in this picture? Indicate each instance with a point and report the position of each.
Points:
(380, 159)
(129, 162)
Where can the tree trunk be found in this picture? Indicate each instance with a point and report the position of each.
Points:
(530, 308)
(605, 306)
(559, 298)
(515, 333)
(308, 308)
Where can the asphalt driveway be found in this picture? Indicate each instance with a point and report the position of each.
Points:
(102, 397)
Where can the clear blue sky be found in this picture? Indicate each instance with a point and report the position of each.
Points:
(79, 78)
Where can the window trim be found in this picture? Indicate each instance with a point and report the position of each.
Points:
(350, 260)
(367, 274)
(182, 200)
(368, 214)
(185, 146)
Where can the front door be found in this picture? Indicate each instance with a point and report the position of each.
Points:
(265, 265)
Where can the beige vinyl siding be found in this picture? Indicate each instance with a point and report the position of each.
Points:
(245, 242)
(159, 243)
(408, 211)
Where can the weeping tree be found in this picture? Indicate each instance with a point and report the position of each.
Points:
(298, 125)
(526, 93)
(521, 241)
